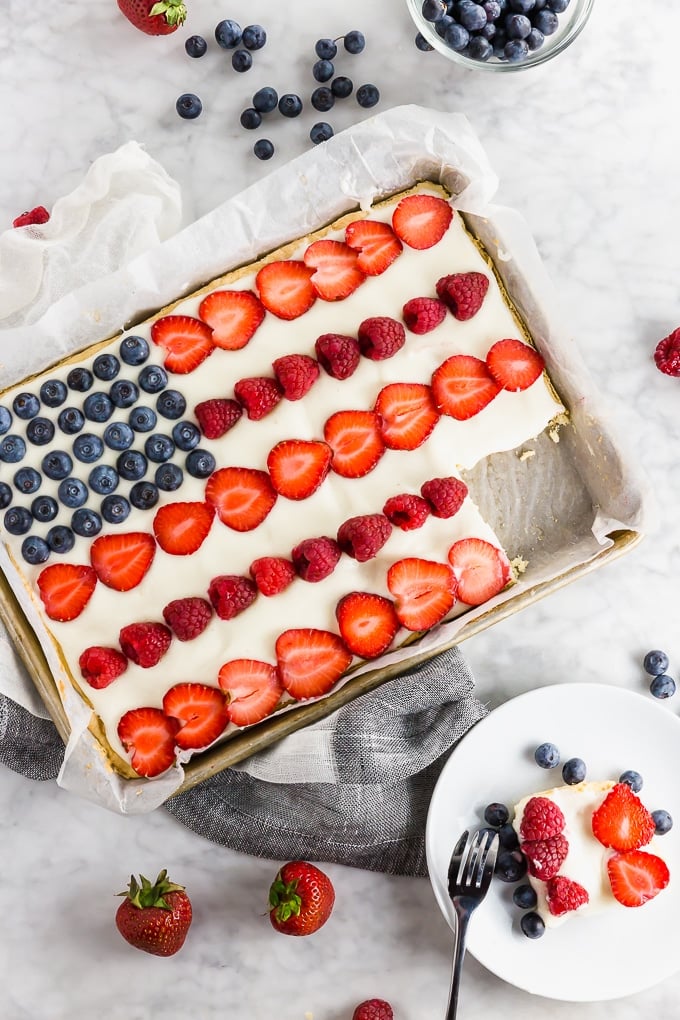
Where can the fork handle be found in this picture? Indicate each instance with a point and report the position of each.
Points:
(462, 918)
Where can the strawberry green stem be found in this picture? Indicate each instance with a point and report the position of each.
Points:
(174, 11)
(283, 899)
(150, 894)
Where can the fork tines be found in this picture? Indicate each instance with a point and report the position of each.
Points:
(473, 861)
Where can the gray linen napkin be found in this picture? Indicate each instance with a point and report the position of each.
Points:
(387, 749)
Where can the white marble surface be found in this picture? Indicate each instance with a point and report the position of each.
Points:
(585, 149)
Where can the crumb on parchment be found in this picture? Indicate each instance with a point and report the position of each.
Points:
(518, 565)
(526, 454)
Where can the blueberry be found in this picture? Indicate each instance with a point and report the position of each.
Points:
(118, 436)
(533, 925)
(522, 6)
(290, 105)
(123, 393)
(633, 779)
(86, 522)
(492, 10)
(131, 465)
(547, 756)
(342, 87)
(457, 37)
(5, 419)
(326, 49)
(71, 420)
(480, 48)
(443, 25)
(80, 380)
(72, 492)
(535, 39)
(144, 495)
(511, 865)
(662, 821)
(171, 404)
(53, 392)
(574, 771)
(488, 32)
(186, 435)
(44, 509)
(367, 96)
(516, 50)
(189, 106)
(558, 6)
(241, 60)
(421, 43)
(250, 118)
(320, 132)
(87, 448)
(546, 22)
(200, 463)
(433, 10)
(103, 479)
(655, 662)
(142, 419)
(662, 686)
(98, 407)
(517, 26)
(106, 367)
(322, 99)
(27, 480)
(60, 539)
(508, 838)
(354, 42)
(153, 379)
(159, 448)
(524, 896)
(473, 17)
(134, 350)
(168, 477)
(115, 509)
(254, 37)
(12, 449)
(35, 550)
(5, 495)
(26, 405)
(263, 148)
(40, 431)
(265, 99)
(228, 34)
(323, 70)
(496, 814)
(195, 46)
(57, 465)
(17, 520)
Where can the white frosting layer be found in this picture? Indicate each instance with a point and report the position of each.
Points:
(510, 419)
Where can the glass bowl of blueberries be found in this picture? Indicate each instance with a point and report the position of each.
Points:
(498, 35)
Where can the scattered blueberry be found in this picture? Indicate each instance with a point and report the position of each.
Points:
(354, 42)
(57, 465)
(87, 447)
(170, 404)
(189, 106)
(200, 463)
(17, 520)
(633, 779)
(323, 70)
(53, 392)
(40, 431)
(118, 436)
(433, 10)
(662, 686)
(655, 662)
(25, 405)
(131, 465)
(574, 771)
(507, 837)
(326, 49)
(496, 814)
(106, 367)
(60, 539)
(5, 420)
(159, 448)
(250, 118)
(12, 449)
(241, 60)
(80, 380)
(322, 99)
(547, 756)
(134, 350)
(123, 393)
(367, 96)
(320, 132)
(532, 924)
(422, 43)
(290, 105)
(228, 34)
(342, 87)
(144, 495)
(263, 148)
(44, 509)
(115, 509)
(524, 896)
(27, 480)
(142, 419)
(168, 477)
(254, 37)
(72, 492)
(98, 407)
(265, 99)
(35, 550)
(511, 865)
(103, 479)
(71, 420)
(86, 522)
(186, 435)
(195, 46)
(662, 821)
(5, 495)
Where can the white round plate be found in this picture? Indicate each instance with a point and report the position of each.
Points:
(604, 956)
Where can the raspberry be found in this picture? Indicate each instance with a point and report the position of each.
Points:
(338, 355)
(315, 558)
(145, 643)
(463, 293)
(373, 1009)
(667, 354)
(541, 819)
(187, 618)
(101, 666)
(364, 536)
(230, 594)
(217, 416)
(272, 574)
(259, 395)
(564, 895)
(545, 856)
(422, 314)
(444, 495)
(37, 215)
(407, 511)
(296, 374)
(381, 337)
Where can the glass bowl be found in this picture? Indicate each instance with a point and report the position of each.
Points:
(570, 23)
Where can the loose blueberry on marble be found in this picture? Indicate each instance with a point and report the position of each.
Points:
(532, 925)
(422, 44)
(265, 99)
(170, 404)
(103, 479)
(367, 96)
(186, 436)
(354, 42)
(86, 523)
(87, 447)
(56, 465)
(511, 865)
(322, 99)
(118, 436)
(547, 756)
(115, 509)
(5, 495)
(195, 46)
(662, 686)
(496, 814)
(44, 509)
(71, 420)
(134, 350)
(342, 86)
(106, 367)
(40, 431)
(263, 148)
(142, 419)
(5, 420)
(323, 70)
(144, 495)
(574, 771)
(250, 118)
(35, 550)
(228, 34)
(53, 392)
(655, 662)
(189, 106)
(169, 477)
(123, 393)
(131, 465)
(12, 449)
(25, 405)
(60, 539)
(27, 481)
(290, 105)
(72, 493)
(633, 779)
(98, 407)
(200, 463)
(663, 822)
(524, 896)
(320, 132)
(17, 520)
(80, 380)
(326, 49)
(254, 37)
(159, 448)
(241, 60)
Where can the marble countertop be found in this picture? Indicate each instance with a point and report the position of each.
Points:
(585, 149)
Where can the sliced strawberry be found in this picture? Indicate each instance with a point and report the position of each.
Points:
(298, 466)
(186, 341)
(201, 711)
(463, 386)
(622, 822)
(65, 590)
(377, 244)
(149, 736)
(637, 876)
(121, 561)
(242, 497)
(356, 442)
(181, 528)
(253, 690)
(421, 220)
(310, 661)
(337, 274)
(514, 365)
(285, 288)
(407, 415)
(424, 591)
(233, 316)
(368, 623)
(481, 570)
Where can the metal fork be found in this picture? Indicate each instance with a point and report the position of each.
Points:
(470, 872)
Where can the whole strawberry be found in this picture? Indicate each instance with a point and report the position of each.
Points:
(301, 899)
(154, 917)
(153, 18)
